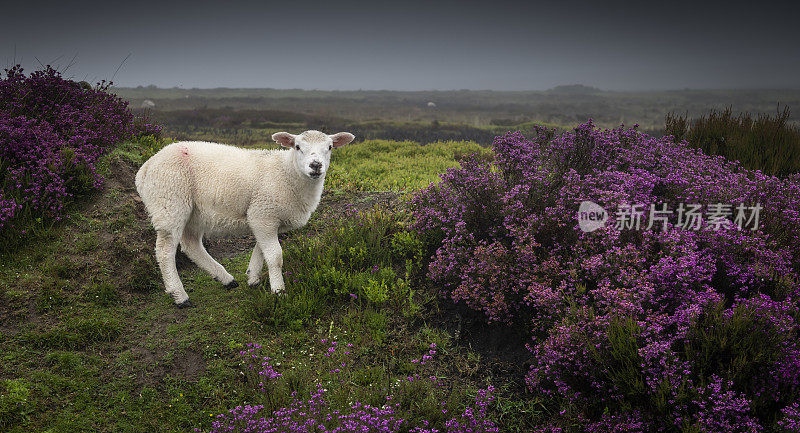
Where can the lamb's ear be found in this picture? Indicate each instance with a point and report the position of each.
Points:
(341, 138)
(284, 139)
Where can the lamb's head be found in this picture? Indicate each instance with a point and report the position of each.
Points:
(311, 150)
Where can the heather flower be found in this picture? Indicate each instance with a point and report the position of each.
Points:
(634, 330)
(790, 421)
(52, 134)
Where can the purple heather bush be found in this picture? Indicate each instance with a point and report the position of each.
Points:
(659, 329)
(52, 133)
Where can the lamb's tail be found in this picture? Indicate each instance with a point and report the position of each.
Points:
(140, 176)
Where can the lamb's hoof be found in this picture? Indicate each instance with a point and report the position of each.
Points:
(185, 304)
(232, 285)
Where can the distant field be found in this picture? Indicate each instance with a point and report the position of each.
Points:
(567, 105)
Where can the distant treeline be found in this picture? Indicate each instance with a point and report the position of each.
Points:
(767, 142)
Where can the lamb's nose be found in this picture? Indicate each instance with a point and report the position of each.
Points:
(316, 165)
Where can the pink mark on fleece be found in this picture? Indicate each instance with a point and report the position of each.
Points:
(184, 151)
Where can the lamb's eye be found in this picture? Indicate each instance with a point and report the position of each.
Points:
(330, 147)
(297, 146)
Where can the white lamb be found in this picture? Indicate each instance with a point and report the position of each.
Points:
(194, 188)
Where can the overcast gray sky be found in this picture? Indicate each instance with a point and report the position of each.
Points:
(412, 45)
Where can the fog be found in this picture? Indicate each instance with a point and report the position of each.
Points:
(410, 45)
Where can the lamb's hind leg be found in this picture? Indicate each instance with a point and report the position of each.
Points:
(166, 247)
(192, 246)
(267, 238)
(255, 266)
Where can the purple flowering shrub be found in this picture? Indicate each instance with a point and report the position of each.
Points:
(664, 328)
(336, 405)
(52, 133)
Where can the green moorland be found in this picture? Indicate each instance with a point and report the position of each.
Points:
(562, 105)
(90, 343)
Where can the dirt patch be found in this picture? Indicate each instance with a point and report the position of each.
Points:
(153, 369)
(123, 173)
(503, 356)
(10, 317)
(188, 365)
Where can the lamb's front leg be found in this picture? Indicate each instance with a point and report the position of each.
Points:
(255, 266)
(267, 240)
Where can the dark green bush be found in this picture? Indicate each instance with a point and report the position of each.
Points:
(767, 143)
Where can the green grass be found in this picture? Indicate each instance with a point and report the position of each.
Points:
(363, 261)
(90, 342)
(381, 165)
